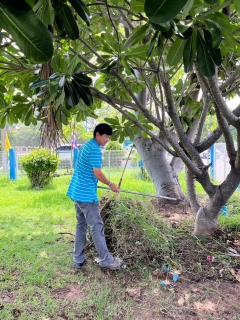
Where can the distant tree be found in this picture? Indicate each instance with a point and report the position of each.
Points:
(21, 135)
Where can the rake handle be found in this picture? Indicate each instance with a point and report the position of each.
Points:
(143, 194)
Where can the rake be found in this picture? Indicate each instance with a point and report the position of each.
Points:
(143, 194)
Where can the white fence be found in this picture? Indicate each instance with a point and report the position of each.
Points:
(117, 159)
(111, 161)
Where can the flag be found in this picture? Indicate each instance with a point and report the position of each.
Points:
(7, 143)
(74, 141)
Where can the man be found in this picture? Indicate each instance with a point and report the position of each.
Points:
(83, 191)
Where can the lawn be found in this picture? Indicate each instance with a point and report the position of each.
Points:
(38, 281)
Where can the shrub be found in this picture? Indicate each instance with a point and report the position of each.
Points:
(115, 153)
(39, 165)
(113, 145)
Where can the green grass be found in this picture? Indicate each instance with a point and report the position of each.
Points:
(37, 233)
(36, 241)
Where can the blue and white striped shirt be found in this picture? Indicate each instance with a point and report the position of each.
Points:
(83, 186)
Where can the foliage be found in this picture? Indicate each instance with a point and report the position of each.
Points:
(113, 145)
(39, 165)
(27, 30)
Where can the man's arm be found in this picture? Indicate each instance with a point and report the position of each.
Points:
(101, 177)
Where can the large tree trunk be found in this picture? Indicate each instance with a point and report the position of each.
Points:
(207, 217)
(158, 168)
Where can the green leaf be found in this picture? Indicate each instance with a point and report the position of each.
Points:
(44, 11)
(3, 120)
(112, 121)
(29, 33)
(204, 59)
(139, 52)
(160, 45)
(127, 67)
(77, 67)
(214, 53)
(168, 34)
(215, 30)
(129, 132)
(237, 6)
(19, 98)
(136, 36)
(55, 63)
(217, 6)
(54, 76)
(159, 11)
(71, 96)
(121, 137)
(61, 83)
(105, 65)
(69, 22)
(2, 89)
(83, 93)
(150, 49)
(38, 84)
(137, 5)
(176, 52)
(188, 6)
(187, 34)
(211, 1)
(188, 54)
(28, 116)
(53, 88)
(160, 26)
(12, 118)
(110, 66)
(79, 6)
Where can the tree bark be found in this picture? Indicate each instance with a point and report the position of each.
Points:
(158, 168)
(207, 217)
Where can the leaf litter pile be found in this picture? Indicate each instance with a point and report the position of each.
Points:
(194, 277)
(141, 237)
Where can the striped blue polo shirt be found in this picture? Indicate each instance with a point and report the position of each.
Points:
(83, 186)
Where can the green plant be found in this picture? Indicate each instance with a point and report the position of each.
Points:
(39, 166)
(113, 145)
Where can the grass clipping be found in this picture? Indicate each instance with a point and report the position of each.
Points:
(134, 232)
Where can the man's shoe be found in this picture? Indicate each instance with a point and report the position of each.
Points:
(116, 265)
(78, 266)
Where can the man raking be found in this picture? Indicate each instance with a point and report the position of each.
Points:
(83, 191)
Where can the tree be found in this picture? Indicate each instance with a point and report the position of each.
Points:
(28, 136)
(163, 65)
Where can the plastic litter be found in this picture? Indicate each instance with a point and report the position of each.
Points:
(175, 278)
(210, 258)
(171, 273)
(233, 253)
(224, 211)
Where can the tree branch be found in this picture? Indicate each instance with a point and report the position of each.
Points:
(218, 99)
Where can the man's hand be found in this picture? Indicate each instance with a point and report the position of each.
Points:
(101, 177)
(114, 187)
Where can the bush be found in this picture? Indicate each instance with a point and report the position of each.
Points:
(39, 165)
(113, 145)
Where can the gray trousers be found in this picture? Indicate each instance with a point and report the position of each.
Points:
(88, 214)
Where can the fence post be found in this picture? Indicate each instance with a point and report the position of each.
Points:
(12, 165)
(75, 157)
(212, 160)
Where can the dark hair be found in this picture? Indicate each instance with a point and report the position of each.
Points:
(102, 128)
